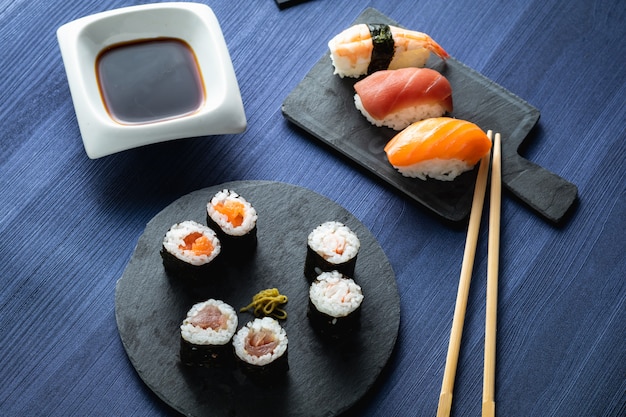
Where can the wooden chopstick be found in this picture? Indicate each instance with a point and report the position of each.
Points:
(447, 386)
(489, 404)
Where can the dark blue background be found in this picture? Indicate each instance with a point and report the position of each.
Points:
(68, 224)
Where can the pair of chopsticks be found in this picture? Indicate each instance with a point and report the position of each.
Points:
(445, 398)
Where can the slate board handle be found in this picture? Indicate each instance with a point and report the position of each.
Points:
(547, 193)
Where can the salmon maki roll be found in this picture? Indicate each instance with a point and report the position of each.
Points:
(369, 47)
(440, 148)
(234, 220)
(397, 98)
(191, 251)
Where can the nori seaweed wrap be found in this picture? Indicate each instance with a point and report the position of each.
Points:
(191, 252)
(334, 305)
(331, 246)
(234, 220)
(206, 333)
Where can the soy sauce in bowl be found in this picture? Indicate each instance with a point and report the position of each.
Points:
(150, 80)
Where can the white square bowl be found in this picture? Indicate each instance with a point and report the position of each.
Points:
(82, 40)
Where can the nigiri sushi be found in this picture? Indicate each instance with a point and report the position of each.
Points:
(397, 98)
(365, 48)
(440, 148)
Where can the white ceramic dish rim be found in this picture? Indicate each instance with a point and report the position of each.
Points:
(83, 39)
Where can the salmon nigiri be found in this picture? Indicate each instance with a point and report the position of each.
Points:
(440, 148)
(397, 98)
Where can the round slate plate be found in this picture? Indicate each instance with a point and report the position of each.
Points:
(325, 378)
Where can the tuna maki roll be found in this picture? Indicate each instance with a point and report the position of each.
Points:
(332, 246)
(334, 304)
(261, 348)
(234, 219)
(206, 334)
(190, 251)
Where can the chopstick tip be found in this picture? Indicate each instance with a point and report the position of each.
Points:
(489, 409)
(445, 404)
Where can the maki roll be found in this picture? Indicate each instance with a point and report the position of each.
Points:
(190, 250)
(206, 333)
(261, 347)
(234, 220)
(334, 304)
(332, 246)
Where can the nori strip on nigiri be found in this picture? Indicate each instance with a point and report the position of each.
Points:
(384, 47)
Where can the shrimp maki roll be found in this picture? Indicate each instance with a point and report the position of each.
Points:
(234, 219)
(331, 246)
(261, 347)
(206, 334)
(366, 48)
(334, 304)
(191, 251)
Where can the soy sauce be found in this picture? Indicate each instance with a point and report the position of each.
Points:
(149, 80)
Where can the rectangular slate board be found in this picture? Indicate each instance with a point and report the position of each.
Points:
(283, 4)
(323, 105)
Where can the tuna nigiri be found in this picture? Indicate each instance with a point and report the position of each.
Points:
(365, 48)
(440, 148)
(397, 98)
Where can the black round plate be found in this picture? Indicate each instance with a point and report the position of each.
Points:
(325, 377)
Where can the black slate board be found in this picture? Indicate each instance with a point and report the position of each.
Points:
(283, 4)
(323, 105)
(325, 379)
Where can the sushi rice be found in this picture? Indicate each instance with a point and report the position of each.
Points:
(335, 295)
(402, 118)
(200, 335)
(225, 197)
(265, 324)
(439, 169)
(325, 238)
(174, 243)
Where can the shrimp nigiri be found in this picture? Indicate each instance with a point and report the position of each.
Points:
(397, 98)
(365, 48)
(440, 148)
